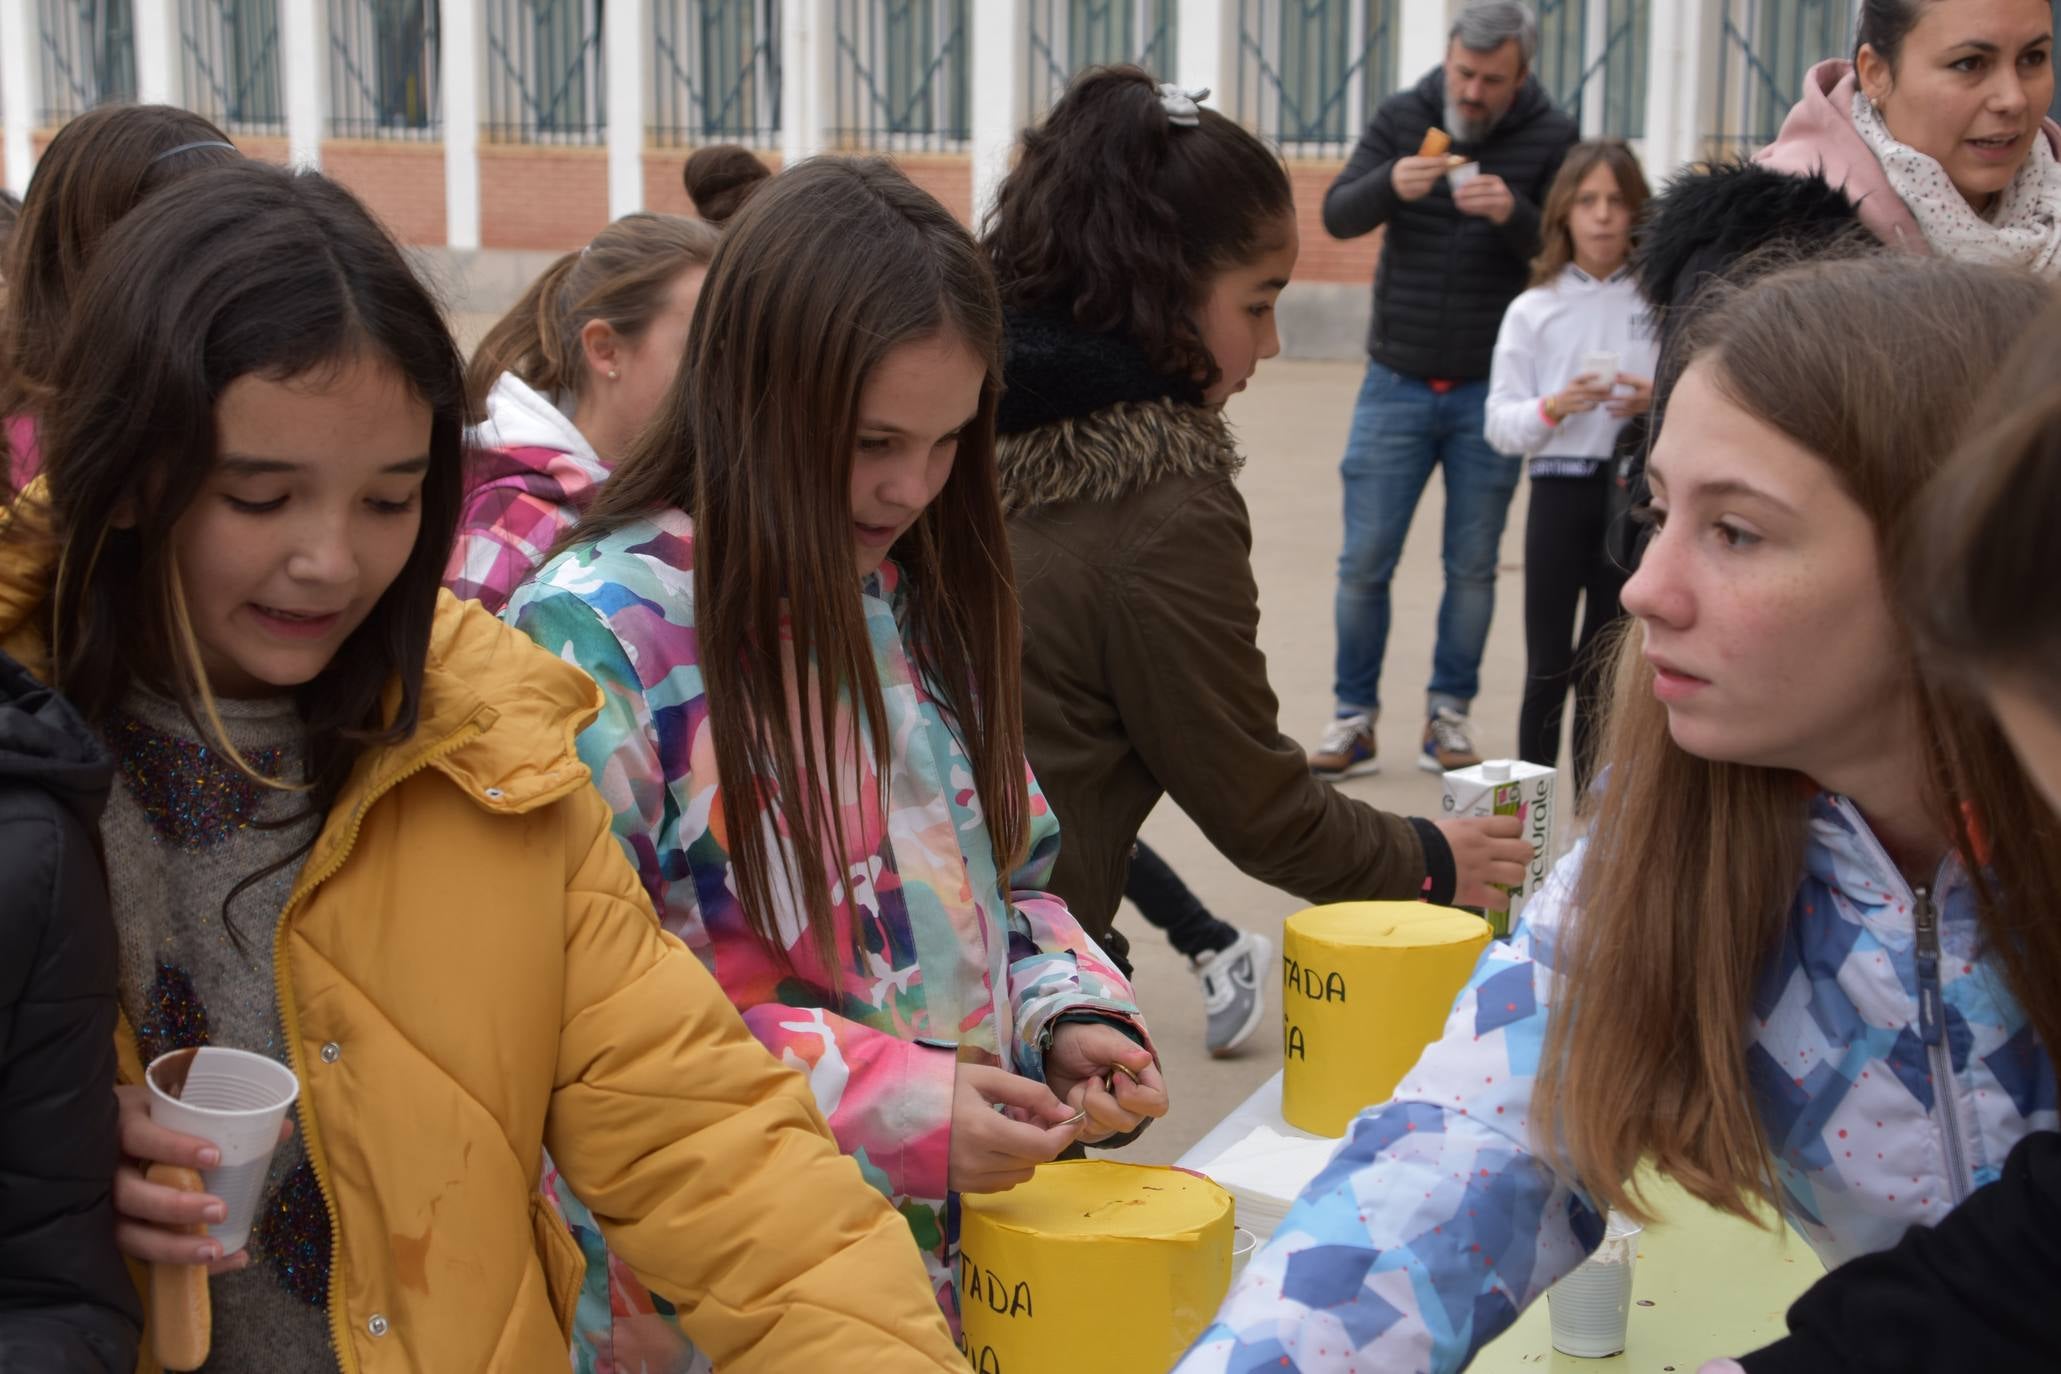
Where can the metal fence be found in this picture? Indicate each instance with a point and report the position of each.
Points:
(1766, 47)
(1065, 37)
(229, 63)
(383, 79)
(715, 72)
(544, 72)
(1309, 73)
(1593, 60)
(88, 55)
(900, 75)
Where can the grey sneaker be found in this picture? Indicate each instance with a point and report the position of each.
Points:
(1231, 994)
(1346, 751)
(1448, 743)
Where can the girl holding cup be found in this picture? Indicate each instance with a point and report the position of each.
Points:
(1573, 368)
(350, 833)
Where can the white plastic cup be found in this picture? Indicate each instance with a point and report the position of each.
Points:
(1462, 174)
(1592, 1306)
(234, 1100)
(1601, 366)
(1243, 1243)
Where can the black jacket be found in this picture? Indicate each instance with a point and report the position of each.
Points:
(66, 1299)
(1445, 278)
(1975, 1292)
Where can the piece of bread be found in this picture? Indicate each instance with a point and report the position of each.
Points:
(181, 1321)
(1436, 143)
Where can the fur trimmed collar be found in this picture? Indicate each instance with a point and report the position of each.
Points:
(1113, 453)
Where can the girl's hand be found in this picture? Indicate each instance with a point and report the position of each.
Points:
(149, 1217)
(1486, 849)
(1581, 396)
(1097, 1068)
(1638, 402)
(993, 1151)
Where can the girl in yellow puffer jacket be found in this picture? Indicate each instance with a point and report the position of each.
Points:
(351, 831)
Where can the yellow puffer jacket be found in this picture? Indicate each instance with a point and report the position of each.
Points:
(473, 975)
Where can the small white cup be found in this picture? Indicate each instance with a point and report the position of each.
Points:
(1462, 174)
(234, 1100)
(1601, 366)
(1243, 1243)
(1591, 1307)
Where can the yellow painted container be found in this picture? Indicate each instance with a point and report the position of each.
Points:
(1365, 986)
(1092, 1267)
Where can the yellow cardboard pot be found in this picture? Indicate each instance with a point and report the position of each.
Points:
(1365, 986)
(1092, 1267)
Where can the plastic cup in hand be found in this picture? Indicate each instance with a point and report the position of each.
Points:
(1462, 174)
(235, 1101)
(1591, 1306)
(1601, 366)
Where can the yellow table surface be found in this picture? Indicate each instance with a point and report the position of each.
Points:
(1718, 1286)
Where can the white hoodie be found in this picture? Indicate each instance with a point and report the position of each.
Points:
(1545, 335)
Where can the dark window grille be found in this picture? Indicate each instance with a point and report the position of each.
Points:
(383, 77)
(545, 72)
(1765, 49)
(229, 59)
(1310, 73)
(87, 51)
(900, 75)
(1066, 37)
(715, 72)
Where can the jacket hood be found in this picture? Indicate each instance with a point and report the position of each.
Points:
(1530, 102)
(44, 744)
(1113, 453)
(520, 416)
(499, 716)
(1818, 138)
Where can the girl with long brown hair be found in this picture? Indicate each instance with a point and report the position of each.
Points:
(796, 594)
(1572, 374)
(566, 380)
(349, 832)
(1805, 957)
(98, 168)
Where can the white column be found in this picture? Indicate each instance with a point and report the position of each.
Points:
(1677, 85)
(1595, 45)
(303, 43)
(157, 52)
(999, 32)
(1202, 46)
(624, 34)
(807, 49)
(458, 68)
(20, 38)
(1424, 26)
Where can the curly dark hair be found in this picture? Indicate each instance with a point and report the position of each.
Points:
(1118, 217)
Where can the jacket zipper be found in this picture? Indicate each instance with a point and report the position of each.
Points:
(1932, 1030)
(1931, 1004)
(289, 1017)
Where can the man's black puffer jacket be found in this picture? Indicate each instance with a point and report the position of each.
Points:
(66, 1299)
(1446, 278)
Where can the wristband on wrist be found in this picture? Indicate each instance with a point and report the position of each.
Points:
(1547, 411)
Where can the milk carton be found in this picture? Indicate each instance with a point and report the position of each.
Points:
(1501, 787)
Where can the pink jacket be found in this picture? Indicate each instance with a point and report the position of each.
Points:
(1819, 137)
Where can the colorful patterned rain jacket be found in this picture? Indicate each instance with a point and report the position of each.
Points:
(1890, 1068)
(529, 474)
(948, 958)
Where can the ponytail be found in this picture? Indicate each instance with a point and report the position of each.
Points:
(621, 278)
(1118, 216)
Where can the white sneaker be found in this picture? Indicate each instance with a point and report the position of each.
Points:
(1231, 996)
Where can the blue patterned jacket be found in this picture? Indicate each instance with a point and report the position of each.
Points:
(1891, 1069)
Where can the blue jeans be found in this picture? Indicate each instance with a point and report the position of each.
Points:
(1401, 430)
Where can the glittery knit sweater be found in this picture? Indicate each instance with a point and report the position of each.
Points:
(184, 827)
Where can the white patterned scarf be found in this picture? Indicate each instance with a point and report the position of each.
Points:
(2023, 227)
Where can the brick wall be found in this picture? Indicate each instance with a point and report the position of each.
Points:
(534, 197)
(403, 183)
(1326, 259)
